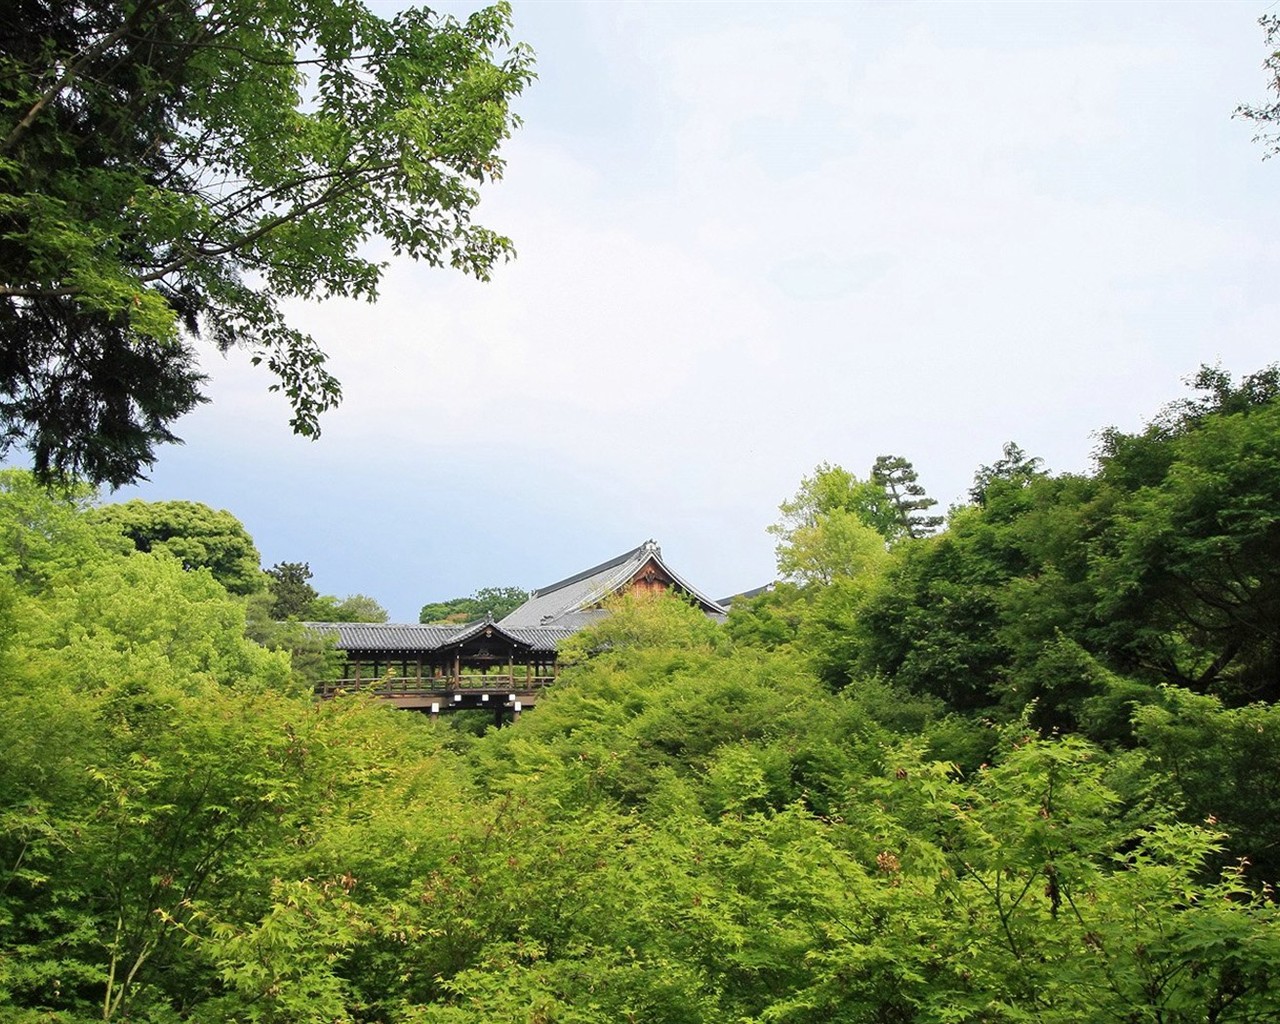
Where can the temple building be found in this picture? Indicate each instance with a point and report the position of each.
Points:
(495, 665)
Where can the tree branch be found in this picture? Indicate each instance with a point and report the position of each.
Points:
(73, 69)
(347, 181)
(343, 185)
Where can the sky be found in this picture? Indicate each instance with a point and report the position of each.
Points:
(756, 237)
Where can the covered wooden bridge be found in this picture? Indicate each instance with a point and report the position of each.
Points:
(500, 665)
(435, 668)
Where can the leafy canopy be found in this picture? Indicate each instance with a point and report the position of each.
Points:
(901, 485)
(291, 594)
(837, 525)
(352, 608)
(493, 601)
(198, 536)
(1080, 593)
(687, 829)
(172, 169)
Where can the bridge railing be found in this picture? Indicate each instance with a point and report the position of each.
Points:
(411, 686)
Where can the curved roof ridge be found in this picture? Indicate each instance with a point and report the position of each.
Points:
(479, 625)
(688, 588)
(582, 591)
(578, 577)
(606, 585)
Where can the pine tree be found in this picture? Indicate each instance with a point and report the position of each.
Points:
(898, 478)
(291, 593)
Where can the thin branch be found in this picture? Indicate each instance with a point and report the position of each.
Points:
(335, 191)
(347, 181)
(266, 62)
(1000, 909)
(73, 69)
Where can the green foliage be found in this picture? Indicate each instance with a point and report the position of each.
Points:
(195, 534)
(1192, 553)
(169, 169)
(313, 656)
(906, 495)
(930, 623)
(491, 601)
(144, 617)
(291, 595)
(838, 526)
(838, 545)
(455, 610)
(784, 819)
(1265, 117)
(1014, 468)
(832, 489)
(44, 534)
(352, 608)
(640, 620)
(1082, 594)
(1219, 766)
(770, 619)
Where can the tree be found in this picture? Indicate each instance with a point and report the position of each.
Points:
(1014, 467)
(1082, 594)
(493, 601)
(898, 479)
(834, 525)
(352, 608)
(1218, 393)
(1265, 118)
(1188, 571)
(499, 601)
(292, 596)
(770, 619)
(644, 620)
(1218, 764)
(197, 535)
(830, 488)
(838, 545)
(44, 533)
(171, 169)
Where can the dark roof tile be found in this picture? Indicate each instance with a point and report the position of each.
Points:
(567, 602)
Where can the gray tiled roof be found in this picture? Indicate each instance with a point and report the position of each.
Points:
(550, 615)
(383, 636)
(569, 603)
(747, 594)
(543, 639)
(412, 638)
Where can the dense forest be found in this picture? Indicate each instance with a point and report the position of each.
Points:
(1023, 765)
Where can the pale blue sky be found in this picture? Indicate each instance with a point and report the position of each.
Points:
(754, 237)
